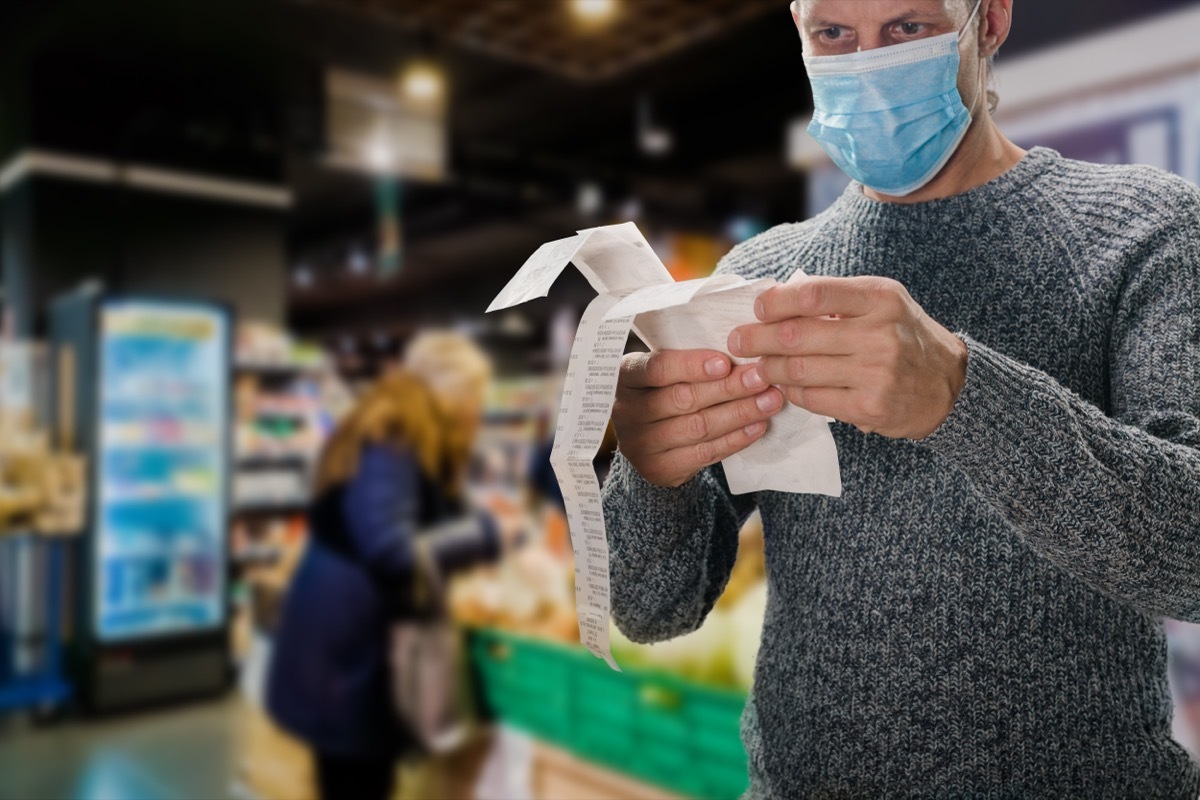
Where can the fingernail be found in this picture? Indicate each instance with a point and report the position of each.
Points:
(715, 366)
(755, 429)
(751, 379)
(760, 309)
(767, 401)
(735, 342)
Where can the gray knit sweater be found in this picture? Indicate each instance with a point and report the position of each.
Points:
(979, 614)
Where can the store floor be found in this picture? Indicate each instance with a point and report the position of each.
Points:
(179, 753)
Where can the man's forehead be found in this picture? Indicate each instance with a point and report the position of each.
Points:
(878, 8)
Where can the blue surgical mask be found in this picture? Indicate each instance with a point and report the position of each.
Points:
(892, 117)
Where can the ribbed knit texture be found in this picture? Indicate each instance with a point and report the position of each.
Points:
(979, 614)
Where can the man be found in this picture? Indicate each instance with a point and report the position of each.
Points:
(1011, 342)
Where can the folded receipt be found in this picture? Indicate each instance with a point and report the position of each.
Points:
(636, 292)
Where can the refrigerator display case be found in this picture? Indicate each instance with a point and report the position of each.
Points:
(155, 404)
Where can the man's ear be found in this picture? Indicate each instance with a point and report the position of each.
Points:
(795, 9)
(997, 15)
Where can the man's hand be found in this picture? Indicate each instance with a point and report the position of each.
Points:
(859, 350)
(678, 411)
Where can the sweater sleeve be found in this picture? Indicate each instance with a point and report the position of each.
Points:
(671, 551)
(1114, 500)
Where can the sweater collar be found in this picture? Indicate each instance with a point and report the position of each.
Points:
(864, 211)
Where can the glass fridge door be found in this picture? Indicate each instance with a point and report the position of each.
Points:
(161, 469)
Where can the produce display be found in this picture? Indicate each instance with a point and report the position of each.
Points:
(532, 594)
(529, 593)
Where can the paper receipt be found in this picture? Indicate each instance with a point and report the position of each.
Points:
(636, 292)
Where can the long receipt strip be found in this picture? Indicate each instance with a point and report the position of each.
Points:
(635, 292)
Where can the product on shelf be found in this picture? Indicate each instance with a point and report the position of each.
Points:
(262, 345)
(41, 490)
(286, 403)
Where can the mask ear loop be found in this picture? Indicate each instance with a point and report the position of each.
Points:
(970, 19)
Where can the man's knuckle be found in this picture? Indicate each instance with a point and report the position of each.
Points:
(656, 370)
(874, 408)
(797, 369)
(697, 426)
(683, 396)
(785, 332)
(889, 294)
(746, 412)
(811, 294)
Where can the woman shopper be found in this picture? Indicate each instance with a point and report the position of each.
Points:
(389, 485)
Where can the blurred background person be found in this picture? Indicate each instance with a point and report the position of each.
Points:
(391, 475)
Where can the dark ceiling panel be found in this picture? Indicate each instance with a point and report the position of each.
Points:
(548, 34)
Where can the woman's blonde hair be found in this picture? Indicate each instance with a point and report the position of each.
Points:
(409, 409)
(451, 364)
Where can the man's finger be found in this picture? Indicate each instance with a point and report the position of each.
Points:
(708, 453)
(823, 297)
(795, 336)
(667, 367)
(716, 422)
(685, 398)
(810, 371)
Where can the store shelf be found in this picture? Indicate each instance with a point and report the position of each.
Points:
(165, 495)
(270, 369)
(274, 461)
(280, 508)
(163, 447)
(257, 555)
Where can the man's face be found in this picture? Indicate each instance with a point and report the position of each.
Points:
(836, 27)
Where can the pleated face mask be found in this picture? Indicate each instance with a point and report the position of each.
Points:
(892, 117)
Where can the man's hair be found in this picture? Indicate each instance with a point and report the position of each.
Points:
(993, 97)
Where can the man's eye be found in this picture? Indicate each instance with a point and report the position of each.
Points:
(832, 33)
(910, 28)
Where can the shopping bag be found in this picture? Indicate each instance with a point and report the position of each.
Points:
(426, 658)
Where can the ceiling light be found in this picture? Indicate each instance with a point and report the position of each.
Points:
(656, 141)
(594, 12)
(379, 155)
(358, 261)
(303, 276)
(423, 83)
(590, 199)
(653, 139)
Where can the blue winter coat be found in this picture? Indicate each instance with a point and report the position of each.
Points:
(329, 677)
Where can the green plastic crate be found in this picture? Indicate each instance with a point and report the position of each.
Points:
(652, 725)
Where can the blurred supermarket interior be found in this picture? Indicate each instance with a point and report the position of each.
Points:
(314, 183)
